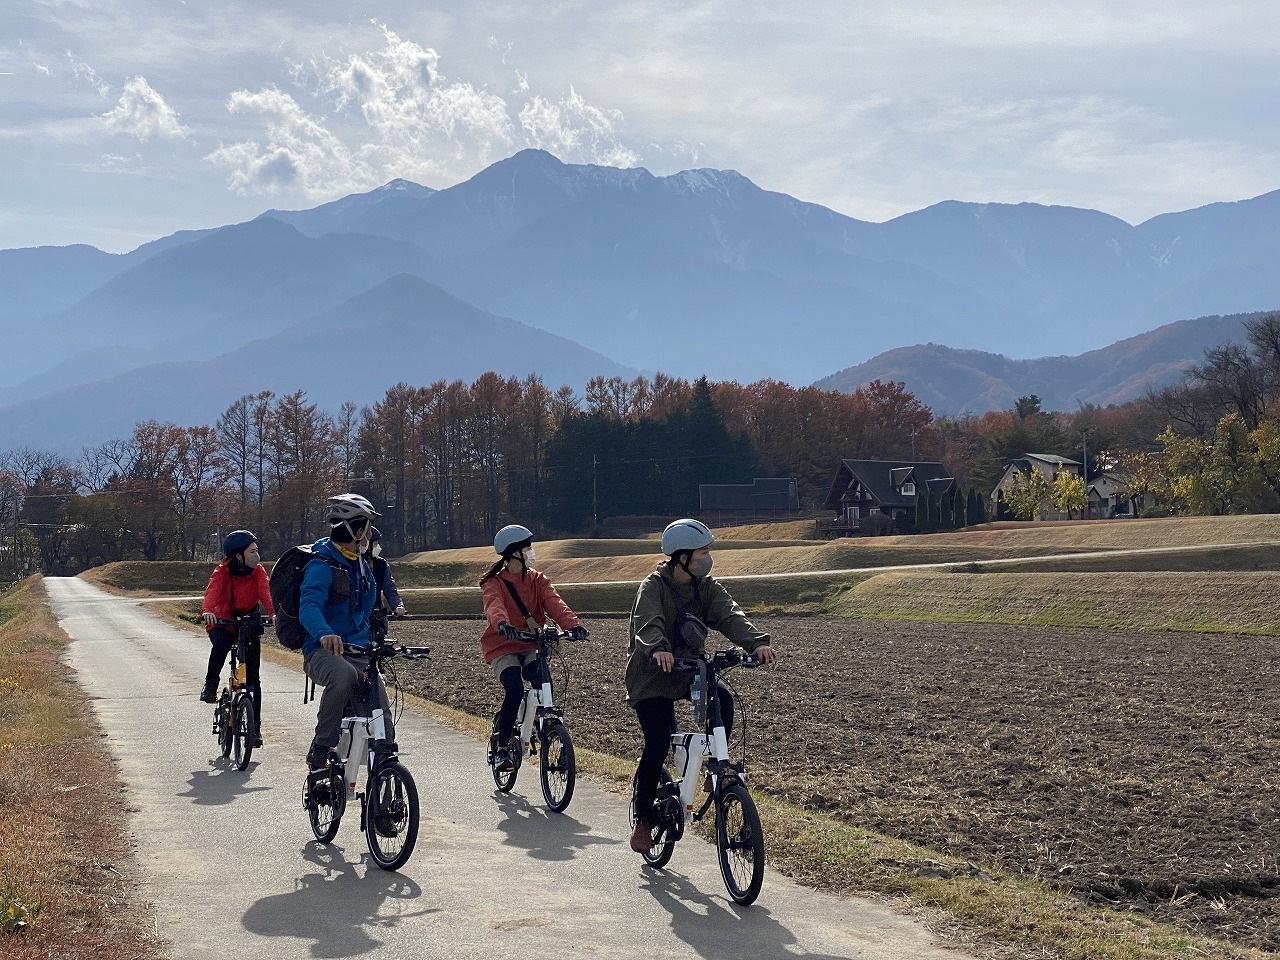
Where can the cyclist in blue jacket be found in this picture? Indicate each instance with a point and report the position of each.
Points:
(334, 607)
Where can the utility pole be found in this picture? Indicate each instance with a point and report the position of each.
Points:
(1084, 443)
(595, 510)
(913, 443)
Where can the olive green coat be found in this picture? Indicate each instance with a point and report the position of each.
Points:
(653, 615)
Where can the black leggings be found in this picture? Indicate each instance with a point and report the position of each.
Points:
(223, 640)
(657, 716)
(512, 680)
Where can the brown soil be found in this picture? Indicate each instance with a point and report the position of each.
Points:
(1136, 770)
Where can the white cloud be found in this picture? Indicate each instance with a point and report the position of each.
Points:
(300, 153)
(83, 71)
(143, 113)
(417, 123)
(573, 127)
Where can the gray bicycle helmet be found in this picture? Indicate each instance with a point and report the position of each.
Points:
(686, 534)
(511, 538)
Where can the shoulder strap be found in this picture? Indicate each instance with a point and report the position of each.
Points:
(524, 611)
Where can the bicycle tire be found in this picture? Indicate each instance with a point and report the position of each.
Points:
(242, 725)
(222, 714)
(662, 835)
(391, 815)
(504, 780)
(325, 802)
(557, 767)
(739, 844)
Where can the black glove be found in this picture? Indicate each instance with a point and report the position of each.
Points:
(507, 630)
(578, 633)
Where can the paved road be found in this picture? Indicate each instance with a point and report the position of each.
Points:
(232, 870)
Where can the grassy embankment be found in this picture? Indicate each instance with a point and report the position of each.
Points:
(1196, 573)
(66, 887)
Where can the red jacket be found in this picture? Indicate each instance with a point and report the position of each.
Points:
(540, 599)
(227, 595)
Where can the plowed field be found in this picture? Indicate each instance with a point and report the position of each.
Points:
(1139, 770)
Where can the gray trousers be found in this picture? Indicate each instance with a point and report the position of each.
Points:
(340, 677)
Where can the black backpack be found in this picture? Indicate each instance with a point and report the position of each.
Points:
(286, 589)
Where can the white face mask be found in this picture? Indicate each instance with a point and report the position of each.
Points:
(377, 549)
(529, 554)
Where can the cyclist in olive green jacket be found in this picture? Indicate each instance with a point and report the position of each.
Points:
(674, 607)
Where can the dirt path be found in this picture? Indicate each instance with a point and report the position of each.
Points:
(232, 870)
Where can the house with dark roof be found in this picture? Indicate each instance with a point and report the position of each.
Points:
(879, 496)
(764, 498)
(1050, 465)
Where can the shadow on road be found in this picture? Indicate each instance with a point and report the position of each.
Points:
(716, 927)
(221, 785)
(336, 908)
(542, 834)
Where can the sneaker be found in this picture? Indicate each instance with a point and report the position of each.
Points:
(318, 757)
(257, 740)
(209, 694)
(502, 760)
(642, 836)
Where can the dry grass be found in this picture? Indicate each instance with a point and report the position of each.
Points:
(66, 868)
(1238, 602)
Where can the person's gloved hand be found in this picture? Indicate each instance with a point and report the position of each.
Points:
(507, 630)
(578, 633)
(400, 610)
(210, 619)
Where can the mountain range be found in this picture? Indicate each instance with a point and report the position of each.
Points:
(568, 271)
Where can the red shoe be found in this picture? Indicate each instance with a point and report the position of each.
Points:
(641, 836)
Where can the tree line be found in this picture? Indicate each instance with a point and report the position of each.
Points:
(450, 462)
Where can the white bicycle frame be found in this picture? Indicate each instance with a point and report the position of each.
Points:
(535, 697)
(358, 733)
(691, 751)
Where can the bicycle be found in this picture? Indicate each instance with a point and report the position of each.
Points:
(235, 720)
(739, 836)
(558, 769)
(389, 801)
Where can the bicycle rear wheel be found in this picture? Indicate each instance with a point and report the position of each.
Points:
(242, 731)
(325, 798)
(666, 820)
(223, 720)
(504, 780)
(558, 768)
(391, 815)
(740, 844)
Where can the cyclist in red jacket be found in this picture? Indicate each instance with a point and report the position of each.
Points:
(513, 594)
(237, 585)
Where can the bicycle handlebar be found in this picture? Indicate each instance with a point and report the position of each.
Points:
(720, 661)
(548, 635)
(245, 620)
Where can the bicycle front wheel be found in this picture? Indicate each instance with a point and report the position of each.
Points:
(740, 844)
(242, 731)
(558, 767)
(391, 815)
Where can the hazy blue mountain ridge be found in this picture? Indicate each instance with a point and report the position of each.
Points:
(701, 272)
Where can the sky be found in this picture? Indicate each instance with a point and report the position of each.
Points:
(125, 120)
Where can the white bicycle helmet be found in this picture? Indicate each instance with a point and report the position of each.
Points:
(510, 538)
(686, 534)
(346, 508)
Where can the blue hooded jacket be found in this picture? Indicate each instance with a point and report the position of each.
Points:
(329, 607)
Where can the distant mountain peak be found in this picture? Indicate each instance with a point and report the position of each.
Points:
(407, 187)
(708, 180)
